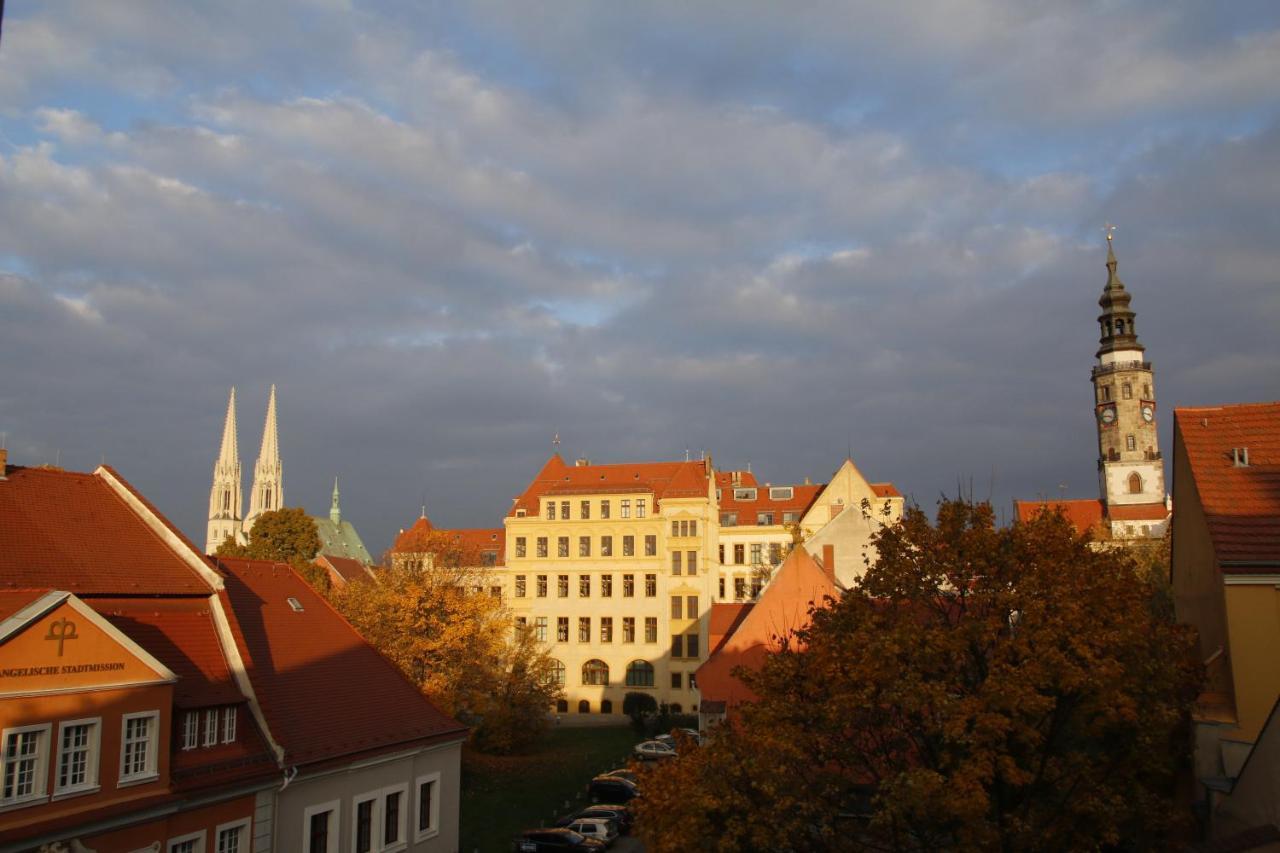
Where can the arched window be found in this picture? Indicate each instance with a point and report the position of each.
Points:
(595, 672)
(562, 706)
(584, 707)
(557, 673)
(677, 708)
(639, 674)
(1135, 484)
(606, 706)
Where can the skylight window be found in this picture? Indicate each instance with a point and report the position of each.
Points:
(295, 604)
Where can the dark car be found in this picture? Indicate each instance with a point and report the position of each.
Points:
(612, 789)
(623, 773)
(558, 839)
(617, 813)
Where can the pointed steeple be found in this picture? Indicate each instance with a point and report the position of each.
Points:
(268, 474)
(225, 494)
(335, 512)
(1117, 320)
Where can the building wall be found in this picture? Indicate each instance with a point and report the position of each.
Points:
(206, 819)
(745, 575)
(616, 654)
(350, 782)
(1253, 627)
(850, 534)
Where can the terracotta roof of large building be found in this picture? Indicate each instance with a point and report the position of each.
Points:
(69, 530)
(799, 584)
(661, 479)
(1138, 512)
(348, 570)
(1241, 502)
(303, 662)
(801, 498)
(1084, 514)
(485, 540)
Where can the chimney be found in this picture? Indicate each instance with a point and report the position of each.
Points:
(581, 462)
(829, 561)
(1240, 457)
(4, 462)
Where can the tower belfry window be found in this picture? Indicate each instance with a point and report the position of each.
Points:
(1126, 391)
(1106, 392)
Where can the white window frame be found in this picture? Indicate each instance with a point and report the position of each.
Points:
(197, 837)
(190, 730)
(149, 773)
(402, 832)
(41, 791)
(229, 715)
(242, 826)
(334, 808)
(433, 819)
(211, 727)
(781, 493)
(91, 762)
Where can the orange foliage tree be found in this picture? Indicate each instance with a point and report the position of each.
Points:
(978, 689)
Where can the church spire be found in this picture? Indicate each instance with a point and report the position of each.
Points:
(335, 512)
(268, 475)
(1117, 319)
(225, 495)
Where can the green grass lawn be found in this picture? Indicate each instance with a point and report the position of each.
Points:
(502, 795)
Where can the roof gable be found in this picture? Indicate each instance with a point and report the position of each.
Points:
(662, 479)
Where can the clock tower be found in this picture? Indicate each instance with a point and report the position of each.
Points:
(1130, 468)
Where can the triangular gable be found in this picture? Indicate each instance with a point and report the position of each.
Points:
(845, 491)
(58, 644)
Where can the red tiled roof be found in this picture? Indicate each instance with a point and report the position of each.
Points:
(13, 600)
(885, 490)
(409, 537)
(304, 663)
(802, 497)
(68, 530)
(723, 621)
(662, 479)
(181, 634)
(347, 568)
(481, 539)
(1084, 514)
(783, 607)
(1138, 512)
(1241, 503)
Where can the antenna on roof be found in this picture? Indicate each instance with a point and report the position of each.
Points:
(555, 441)
(686, 454)
(748, 466)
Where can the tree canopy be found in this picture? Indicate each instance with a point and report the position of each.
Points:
(980, 688)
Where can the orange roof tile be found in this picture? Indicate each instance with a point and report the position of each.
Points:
(302, 662)
(409, 536)
(69, 530)
(1241, 503)
(1138, 512)
(723, 621)
(1084, 514)
(661, 479)
(13, 600)
(802, 497)
(885, 490)
(349, 569)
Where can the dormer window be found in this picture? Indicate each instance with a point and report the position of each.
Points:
(781, 493)
(744, 494)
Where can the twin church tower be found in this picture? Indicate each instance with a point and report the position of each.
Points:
(225, 513)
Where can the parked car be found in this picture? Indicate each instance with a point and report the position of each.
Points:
(623, 773)
(612, 789)
(652, 750)
(599, 828)
(670, 740)
(554, 841)
(621, 815)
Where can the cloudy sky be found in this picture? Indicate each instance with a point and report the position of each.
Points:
(448, 231)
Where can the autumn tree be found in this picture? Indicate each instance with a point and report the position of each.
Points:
(287, 535)
(978, 689)
(455, 641)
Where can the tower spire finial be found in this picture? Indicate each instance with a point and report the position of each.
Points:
(224, 495)
(267, 494)
(335, 512)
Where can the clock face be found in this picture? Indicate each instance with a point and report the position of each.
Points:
(1108, 415)
(1148, 414)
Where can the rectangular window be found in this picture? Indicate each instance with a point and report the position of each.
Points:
(604, 509)
(540, 628)
(628, 586)
(675, 527)
(775, 553)
(675, 562)
(77, 756)
(551, 510)
(628, 546)
(190, 843)
(584, 629)
(651, 629)
(584, 546)
(542, 546)
(138, 746)
(606, 586)
(229, 724)
(584, 586)
(606, 629)
(520, 546)
(722, 554)
(1130, 443)
(739, 554)
(739, 588)
(764, 518)
(232, 837)
(722, 587)
(677, 607)
(1126, 391)
(628, 629)
(25, 751)
(562, 629)
(520, 586)
(562, 586)
(542, 586)
(522, 625)
(362, 830)
(691, 607)
(691, 562)
(210, 726)
(650, 586)
(392, 818)
(562, 546)
(744, 494)
(677, 645)
(606, 546)
(756, 586)
(651, 545)
(693, 527)
(564, 510)
(728, 519)
(320, 828)
(190, 729)
(781, 493)
(639, 507)
(675, 681)
(427, 819)
(757, 553)
(626, 507)
(691, 645)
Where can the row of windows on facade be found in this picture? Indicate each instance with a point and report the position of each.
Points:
(213, 732)
(604, 511)
(606, 705)
(682, 645)
(1126, 392)
(750, 493)
(740, 588)
(231, 837)
(763, 519)
(76, 771)
(757, 554)
(378, 819)
(584, 546)
(584, 585)
(640, 673)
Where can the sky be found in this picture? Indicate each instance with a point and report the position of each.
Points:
(776, 233)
